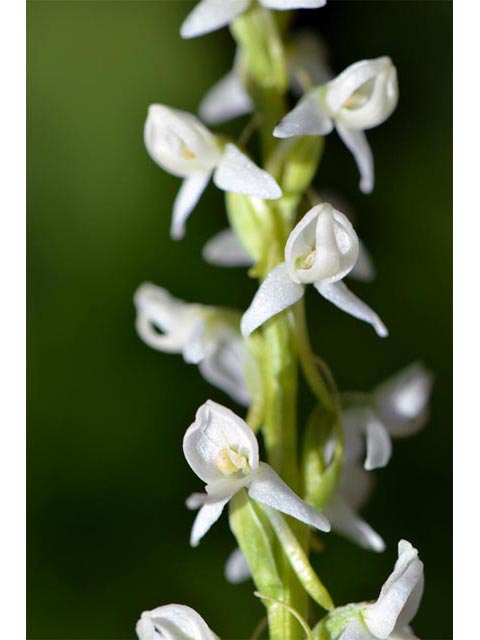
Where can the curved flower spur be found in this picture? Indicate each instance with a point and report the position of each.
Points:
(210, 15)
(223, 451)
(363, 96)
(173, 622)
(321, 250)
(179, 143)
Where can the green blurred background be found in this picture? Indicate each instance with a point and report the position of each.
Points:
(108, 530)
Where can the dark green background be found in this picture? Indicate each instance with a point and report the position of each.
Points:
(108, 531)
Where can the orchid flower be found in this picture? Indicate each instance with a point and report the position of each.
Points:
(363, 96)
(179, 143)
(223, 451)
(389, 616)
(204, 335)
(224, 249)
(173, 622)
(321, 250)
(396, 408)
(210, 15)
(228, 98)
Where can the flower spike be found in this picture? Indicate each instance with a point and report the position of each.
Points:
(223, 451)
(179, 143)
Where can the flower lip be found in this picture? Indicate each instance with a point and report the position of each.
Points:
(364, 95)
(322, 247)
(179, 142)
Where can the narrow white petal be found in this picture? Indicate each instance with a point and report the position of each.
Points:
(346, 521)
(180, 621)
(306, 119)
(225, 368)
(237, 173)
(381, 617)
(145, 628)
(236, 567)
(210, 15)
(187, 197)
(268, 488)
(357, 143)
(364, 269)
(356, 485)
(284, 5)
(276, 293)
(379, 445)
(403, 634)
(224, 249)
(338, 294)
(215, 431)
(206, 517)
(227, 99)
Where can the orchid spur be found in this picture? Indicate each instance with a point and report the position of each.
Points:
(321, 250)
(210, 15)
(179, 143)
(223, 451)
(173, 622)
(362, 97)
(204, 335)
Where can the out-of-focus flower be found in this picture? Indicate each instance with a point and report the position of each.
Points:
(362, 97)
(321, 250)
(173, 622)
(206, 336)
(228, 98)
(179, 143)
(223, 451)
(390, 615)
(210, 15)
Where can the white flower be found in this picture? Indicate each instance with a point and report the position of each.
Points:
(173, 622)
(179, 143)
(223, 451)
(228, 98)
(396, 408)
(396, 605)
(210, 15)
(321, 250)
(363, 96)
(202, 334)
(236, 567)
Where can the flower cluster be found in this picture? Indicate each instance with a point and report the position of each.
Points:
(279, 504)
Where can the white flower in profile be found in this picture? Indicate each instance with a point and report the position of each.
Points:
(362, 97)
(223, 451)
(397, 408)
(321, 250)
(173, 622)
(210, 15)
(390, 615)
(204, 335)
(228, 98)
(179, 143)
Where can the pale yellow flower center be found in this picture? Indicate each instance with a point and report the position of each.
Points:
(306, 262)
(229, 461)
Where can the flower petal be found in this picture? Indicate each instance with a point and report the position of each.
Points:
(364, 269)
(215, 429)
(306, 119)
(357, 143)
(346, 521)
(210, 15)
(236, 567)
(379, 445)
(224, 249)
(237, 173)
(276, 293)
(207, 516)
(226, 367)
(180, 621)
(382, 617)
(284, 5)
(268, 488)
(356, 630)
(227, 99)
(338, 294)
(402, 400)
(187, 197)
(145, 628)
